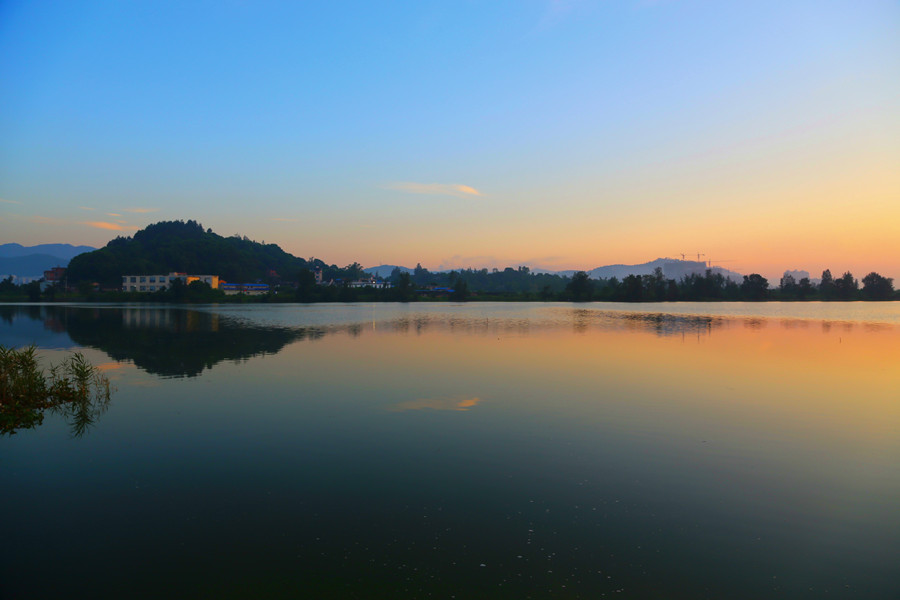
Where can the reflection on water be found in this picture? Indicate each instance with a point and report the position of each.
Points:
(495, 451)
(183, 342)
(436, 404)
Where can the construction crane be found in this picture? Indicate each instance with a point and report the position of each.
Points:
(699, 255)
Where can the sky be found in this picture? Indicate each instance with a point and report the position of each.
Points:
(557, 134)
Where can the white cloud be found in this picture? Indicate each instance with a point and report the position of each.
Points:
(441, 189)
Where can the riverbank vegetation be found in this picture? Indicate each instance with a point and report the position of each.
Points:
(74, 388)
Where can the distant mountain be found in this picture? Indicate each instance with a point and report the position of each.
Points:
(672, 268)
(31, 261)
(30, 266)
(385, 270)
(62, 251)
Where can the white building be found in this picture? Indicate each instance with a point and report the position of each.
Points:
(155, 283)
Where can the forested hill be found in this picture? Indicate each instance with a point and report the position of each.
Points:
(185, 247)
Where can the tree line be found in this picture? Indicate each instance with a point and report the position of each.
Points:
(715, 286)
(508, 284)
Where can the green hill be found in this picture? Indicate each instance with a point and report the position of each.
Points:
(184, 247)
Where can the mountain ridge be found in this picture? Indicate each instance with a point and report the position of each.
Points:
(672, 268)
(30, 262)
(63, 251)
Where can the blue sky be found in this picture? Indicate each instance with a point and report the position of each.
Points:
(560, 134)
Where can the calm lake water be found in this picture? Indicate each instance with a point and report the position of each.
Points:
(463, 451)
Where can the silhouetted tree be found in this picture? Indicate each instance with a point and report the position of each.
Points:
(177, 290)
(581, 288)
(353, 272)
(460, 291)
(826, 286)
(306, 285)
(671, 291)
(788, 286)
(633, 288)
(846, 287)
(876, 287)
(755, 287)
(33, 291)
(403, 290)
(420, 275)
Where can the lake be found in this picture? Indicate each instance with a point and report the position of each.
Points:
(472, 450)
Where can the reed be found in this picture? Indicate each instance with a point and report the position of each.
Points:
(74, 388)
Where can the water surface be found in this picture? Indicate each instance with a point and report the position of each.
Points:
(469, 451)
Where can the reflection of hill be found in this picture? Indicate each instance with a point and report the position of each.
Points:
(170, 341)
(179, 342)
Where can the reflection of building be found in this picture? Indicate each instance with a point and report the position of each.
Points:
(168, 320)
(154, 283)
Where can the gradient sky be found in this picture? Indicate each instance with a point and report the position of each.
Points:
(765, 135)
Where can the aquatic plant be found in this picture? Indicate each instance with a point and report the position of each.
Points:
(74, 388)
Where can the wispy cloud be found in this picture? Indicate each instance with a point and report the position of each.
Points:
(9, 201)
(109, 226)
(436, 404)
(113, 215)
(140, 211)
(442, 189)
(47, 220)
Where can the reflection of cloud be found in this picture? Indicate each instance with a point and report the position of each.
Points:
(111, 366)
(436, 404)
(140, 210)
(443, 189)
(109, 226)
